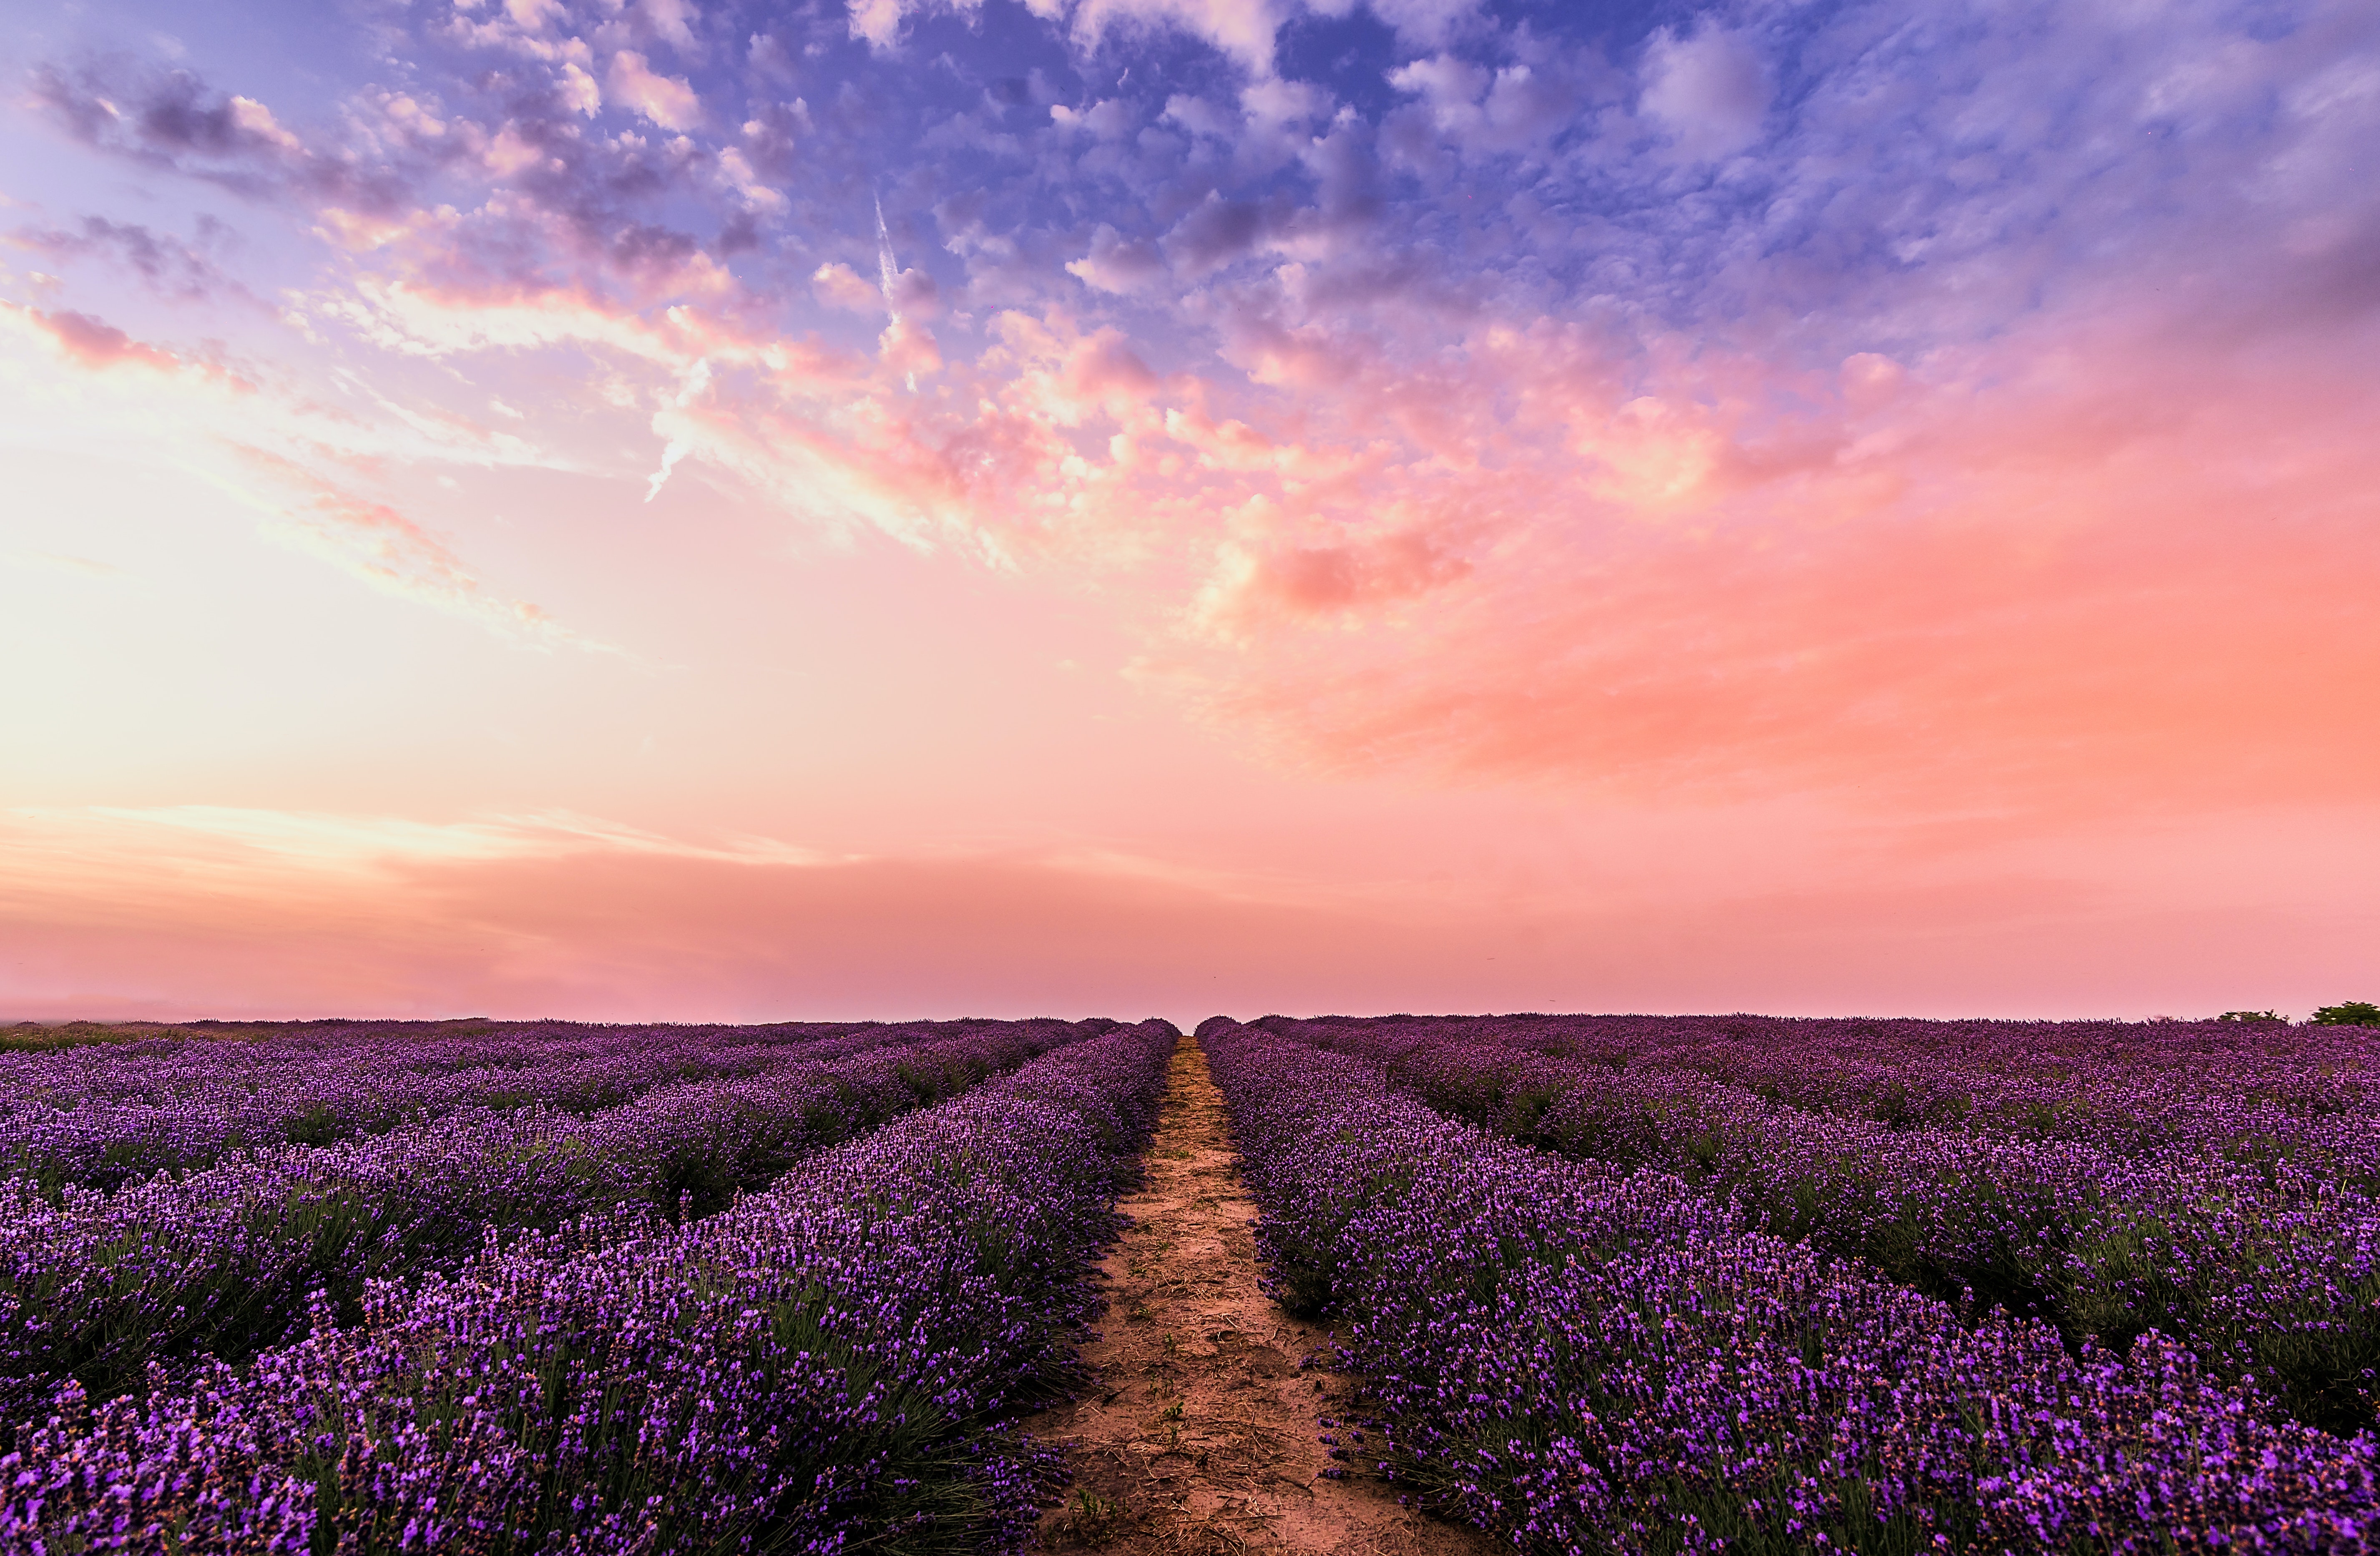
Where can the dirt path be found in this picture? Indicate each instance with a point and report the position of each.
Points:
(1201, 1437)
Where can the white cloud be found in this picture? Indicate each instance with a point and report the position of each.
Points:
(672, 19)
(838, 286)
(1241, 28)
(879, 21)
(665, 100)
(1710, 92)
(363, 843)
(736, 169)
(578, 90)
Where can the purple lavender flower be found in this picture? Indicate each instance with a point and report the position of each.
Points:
(1583, 1357)
(832, 1359)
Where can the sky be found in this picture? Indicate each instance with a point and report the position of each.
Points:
(710, 510)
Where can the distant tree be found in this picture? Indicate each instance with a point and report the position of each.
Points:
(2274, 1017)
(2354, 1013)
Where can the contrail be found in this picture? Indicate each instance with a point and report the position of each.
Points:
(885, 266)
(888, 270)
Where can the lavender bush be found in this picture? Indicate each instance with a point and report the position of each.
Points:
(223, 1261)
(828, 1365)
(102, 1115)
(1584, 1358)
(2251, 1092)
(2266, 1268)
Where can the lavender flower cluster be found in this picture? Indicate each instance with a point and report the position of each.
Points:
(101, 1115)
(2251, 1091)
(828, 1365)
(2264, 1268)
(1581, 1357)
(223, 1261)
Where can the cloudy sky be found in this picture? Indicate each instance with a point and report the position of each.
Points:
(702, 508)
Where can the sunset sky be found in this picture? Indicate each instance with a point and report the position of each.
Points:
(638, 509)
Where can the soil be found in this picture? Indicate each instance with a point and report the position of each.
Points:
(1201, 1436)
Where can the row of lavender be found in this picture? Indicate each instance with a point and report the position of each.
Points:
(828, 1365)
(2267, 1269)
(2256, 1091)
(101, 1115)
(1583, 1358)
(225, 1262)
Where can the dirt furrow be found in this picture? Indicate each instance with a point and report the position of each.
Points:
(1202, 1436)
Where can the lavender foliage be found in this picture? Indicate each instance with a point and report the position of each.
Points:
(101, 1115)
(2265, 1265)
(96, 1287)
(2252, 1092)
(828, 1365)
(1582, 1357)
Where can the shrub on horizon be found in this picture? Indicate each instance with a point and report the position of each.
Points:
(2349, 1012)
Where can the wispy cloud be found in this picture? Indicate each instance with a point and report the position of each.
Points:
(82, 566)
(213, 422)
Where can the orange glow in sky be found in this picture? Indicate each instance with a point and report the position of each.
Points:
(662, 509)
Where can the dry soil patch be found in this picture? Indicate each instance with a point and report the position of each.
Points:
(1201, 1436)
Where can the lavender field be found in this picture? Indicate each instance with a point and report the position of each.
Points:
(1595, 1283)
(1745, 1285)
(515, 1302)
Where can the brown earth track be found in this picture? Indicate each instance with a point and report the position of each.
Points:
(1200, 1438)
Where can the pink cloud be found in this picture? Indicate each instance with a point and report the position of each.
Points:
(1531, 557)
(838, 286)
(94, 344)
(1102, 369)
(736, 170)
(878, 21)
(580, 90)
(1244, 30)
(1307, 579)
(375, 542)
(124, 913)
(909, 348)
(1529, 550)
(668, 100)
(1950, 596)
